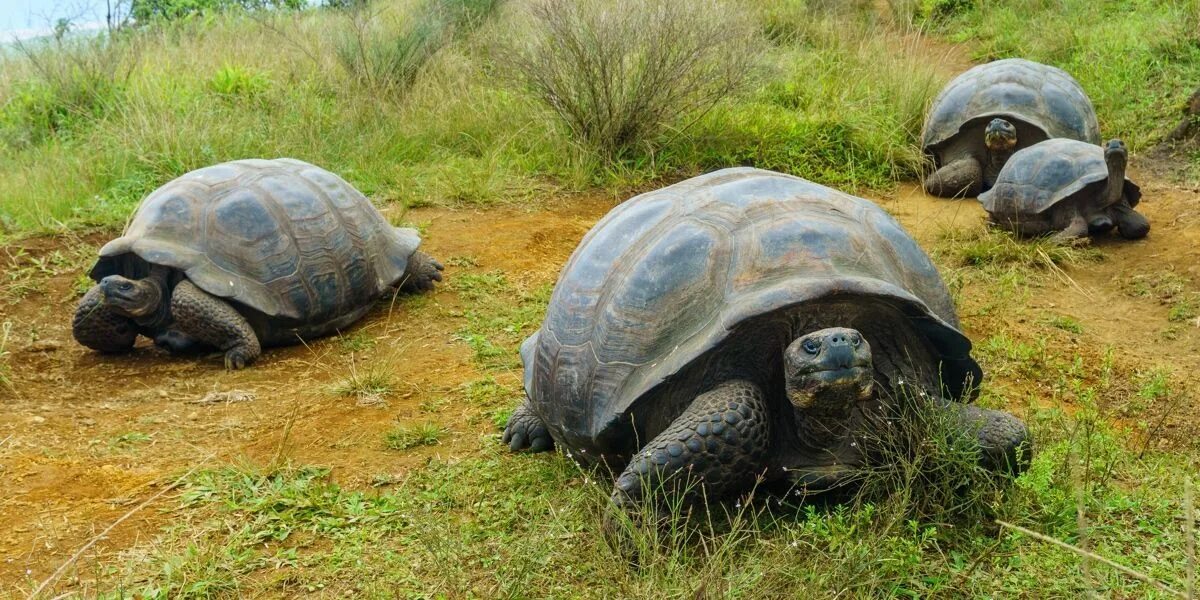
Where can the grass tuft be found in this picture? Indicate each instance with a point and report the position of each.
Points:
(368, 387)
(990, 247)
(404, 437)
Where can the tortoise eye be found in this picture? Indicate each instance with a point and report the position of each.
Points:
(810, 346)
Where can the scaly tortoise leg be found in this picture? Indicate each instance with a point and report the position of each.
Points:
(421, 273)
(715, 448)
(1004, 442)
(1131, 224)
(205, 318)
(963, 177)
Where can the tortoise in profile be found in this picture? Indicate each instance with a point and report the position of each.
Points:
(745, 323)
(247, 254)
(992, 110)
(1069, 187)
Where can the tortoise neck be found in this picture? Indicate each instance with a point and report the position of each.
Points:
(994, 162)
(828, 420)
(158, 283)
(1116, 162)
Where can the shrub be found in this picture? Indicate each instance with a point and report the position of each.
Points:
(617, 78)
(386, 55)
(233, 81)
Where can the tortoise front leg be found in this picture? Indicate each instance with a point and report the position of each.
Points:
(715, 448)
(963, 177)
(1075, 232)
(99, 328)
(1130, 223)
(1004, 442)
(204, 318)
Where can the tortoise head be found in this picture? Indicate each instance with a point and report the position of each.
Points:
(829, 368)
(131, 297)
(1115, 153)
(1000, 136)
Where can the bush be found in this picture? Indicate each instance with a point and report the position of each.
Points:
(232, 81)
(386, 56)
(619, 78)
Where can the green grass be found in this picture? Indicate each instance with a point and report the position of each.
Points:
(225, 87)
(498, 316)
(503, 525)
(403, 437)
(369, 386)
(1171, 289)
(994, 248)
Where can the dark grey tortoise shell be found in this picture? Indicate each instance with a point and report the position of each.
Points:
(1015, 89)
(671, 276)
(285, 238)
(1037, 178)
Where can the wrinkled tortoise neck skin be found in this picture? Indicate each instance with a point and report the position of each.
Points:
(1116, 157)
(163, 278)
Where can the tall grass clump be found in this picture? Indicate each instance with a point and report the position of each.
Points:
(384, 47)
(620, 77)
(1138, 61)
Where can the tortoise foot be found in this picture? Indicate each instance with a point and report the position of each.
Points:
(526, 430)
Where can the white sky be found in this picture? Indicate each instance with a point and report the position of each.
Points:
(31, 18)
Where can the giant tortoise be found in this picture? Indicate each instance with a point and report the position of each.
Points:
(745, 324)
(994, 109)
(1068, 188)
(247, 254)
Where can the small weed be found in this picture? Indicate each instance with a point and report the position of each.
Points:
(1169, 289)
(463, 261)
(499, 317)
(1164, 286)
(433, 404)
(1185, 309)
(82, 284)
(501, 415)
(1065, 323)
(127, 440)
(369, 387)
(486, 392)
(356, 342)
(404, 437)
